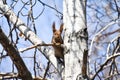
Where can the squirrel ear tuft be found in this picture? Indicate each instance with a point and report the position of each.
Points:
(61, 27)
(53, 27)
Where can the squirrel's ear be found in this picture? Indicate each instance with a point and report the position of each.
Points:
(61, 27)
(53, 27)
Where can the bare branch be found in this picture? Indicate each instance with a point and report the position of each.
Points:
(117, 8)
(108, 48)
(35, 46)
(50, 7)
(14, 55)
(29, 34)
(99, 33)
(105, 63)
(8, 75)
(47, 68)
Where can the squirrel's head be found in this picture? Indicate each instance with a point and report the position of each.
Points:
(57, 33)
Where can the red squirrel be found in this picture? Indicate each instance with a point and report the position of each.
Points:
(57, 41)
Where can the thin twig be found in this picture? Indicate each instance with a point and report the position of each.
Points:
(35, 46)
(103, 29)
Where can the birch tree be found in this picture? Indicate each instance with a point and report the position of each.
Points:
(91, 39)
(75, 39)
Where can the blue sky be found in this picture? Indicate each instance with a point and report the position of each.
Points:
(43, 27)
(44, 30)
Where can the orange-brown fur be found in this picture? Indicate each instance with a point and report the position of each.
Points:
(57, 40)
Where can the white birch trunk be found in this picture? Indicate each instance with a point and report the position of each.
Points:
(75, 37)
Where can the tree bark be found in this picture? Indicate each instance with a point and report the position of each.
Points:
(75, 39)
(23, 72)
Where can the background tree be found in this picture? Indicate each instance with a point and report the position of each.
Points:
(75, 39)
(31, 19)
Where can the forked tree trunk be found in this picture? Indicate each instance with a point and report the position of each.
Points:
(75, 39)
